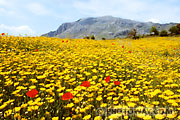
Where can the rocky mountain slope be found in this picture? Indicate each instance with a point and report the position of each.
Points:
(106, 26)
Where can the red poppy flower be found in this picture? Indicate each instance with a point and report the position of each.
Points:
(117, 82)
(63, 41)
(32, 93)
(107, 79)
(86, 84)
(2, 34)
(129, 51)
(67, 96)
(113, 44)
(37, 50)
(123, 46)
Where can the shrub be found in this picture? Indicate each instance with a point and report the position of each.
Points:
(132, 34)
(86, 37)
(173, 30)
(154, 31)
(178, 26)
(92, 37)
(163, 33)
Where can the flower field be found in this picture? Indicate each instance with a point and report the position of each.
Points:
(52, 79)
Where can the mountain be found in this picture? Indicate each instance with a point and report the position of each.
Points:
(106, 26)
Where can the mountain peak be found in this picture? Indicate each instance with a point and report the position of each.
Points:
(104, 26)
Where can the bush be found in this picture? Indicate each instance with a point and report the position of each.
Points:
(173, 30)
(154, 31)
(86, 37)
(132, 34)
(178, 26)
(163, 33)
(92, 37)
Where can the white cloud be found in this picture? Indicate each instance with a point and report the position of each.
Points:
(37, 9)
(154, 20)
(6, 12)
(165, 11)
(106, 7)
(3, 2)
(16, 30)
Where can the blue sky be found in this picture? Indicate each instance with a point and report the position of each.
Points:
(36, 17)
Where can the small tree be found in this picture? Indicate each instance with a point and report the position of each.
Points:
(103, 38)
(92, 37)
(154, 31)
(163, 33)
(86, 37)
(132, 34)
(178, 26)
(173, 30)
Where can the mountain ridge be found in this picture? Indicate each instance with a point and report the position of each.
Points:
(106, 26)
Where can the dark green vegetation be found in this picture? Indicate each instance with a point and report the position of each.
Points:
(173, 31)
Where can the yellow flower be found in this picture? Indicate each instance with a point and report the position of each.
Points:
(94, 71)
(147, 117)
(171, 116)
(16, 83)
(41, 77)
(51, 101)
(39, 103)
(109, 98)
(141, 115)
(24, 105)
(24, 119)
(103, 104)
(125, 117)
(87, 73)
(168, 92)
(155, 102)
(17, 109)
(178, 90)
(98, 118)
(131, 104)
(74, 116)
(70, 105)
(47, 113)
(160, 116)
(68, 118)
(7, 113)
(99, 98)
(32, 87)
(115, 102)
(1, 95)
(82, 110)
(3, 106)
(33, 80)
(43, 118)
(114, 116)
(90, 95)
(87, 117)
(17, 115)
(55, 118)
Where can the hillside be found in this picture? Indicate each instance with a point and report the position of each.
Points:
(106, 26)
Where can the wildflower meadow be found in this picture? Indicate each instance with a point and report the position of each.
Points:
(78, 79)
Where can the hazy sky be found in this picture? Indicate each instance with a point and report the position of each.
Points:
(35, 17)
